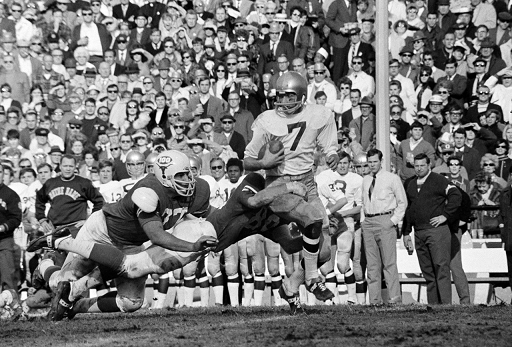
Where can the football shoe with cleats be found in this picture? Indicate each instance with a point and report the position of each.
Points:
(48, 240)
(61, 305)
(318, 288)
(292, 300)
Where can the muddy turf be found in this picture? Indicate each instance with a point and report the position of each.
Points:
(408, 325)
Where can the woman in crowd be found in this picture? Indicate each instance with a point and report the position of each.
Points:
(501, 150)
(82, 60)
(141, 57)
(425, 87)
(37, 102)
(220, 72)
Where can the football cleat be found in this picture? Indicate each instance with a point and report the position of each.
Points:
(17, 309)
(293, 301)
(318, 288)
(48, 240)
(61, 304)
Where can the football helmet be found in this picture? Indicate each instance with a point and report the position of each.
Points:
(150, 161)
(195, 163)
(170, 163)
(135, 164)
(360, 163)
(290, 82)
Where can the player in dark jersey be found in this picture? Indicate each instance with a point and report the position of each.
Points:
(247, 212)
(149, 210)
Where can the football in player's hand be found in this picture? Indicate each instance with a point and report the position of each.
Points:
(273, 146)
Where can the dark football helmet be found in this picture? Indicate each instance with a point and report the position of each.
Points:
(290, 82)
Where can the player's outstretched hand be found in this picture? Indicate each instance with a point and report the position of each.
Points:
(271, 160)
(205, 243)
(332, 161)
(47, 226)
(297, 188)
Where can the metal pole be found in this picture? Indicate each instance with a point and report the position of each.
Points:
(382, 80)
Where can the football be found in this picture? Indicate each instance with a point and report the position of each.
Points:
(274, 147)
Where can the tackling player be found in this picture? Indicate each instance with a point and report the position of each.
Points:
(247, 212)
(301, 128)
(155, 204)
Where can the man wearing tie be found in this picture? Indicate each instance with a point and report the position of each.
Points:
(356, 49)
(125, 12)
(384, 205)
(269, 51)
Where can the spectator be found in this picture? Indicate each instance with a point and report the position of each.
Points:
(412, 147)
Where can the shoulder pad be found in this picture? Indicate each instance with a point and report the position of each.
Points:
(320, 116)
(271, 122)
(146, 199)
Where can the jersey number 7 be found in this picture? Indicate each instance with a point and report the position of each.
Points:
(299, 128)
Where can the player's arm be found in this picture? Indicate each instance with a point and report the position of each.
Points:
(328, 143)
(259, 139)
(94, 196)
(330, 209)
(147, 202)
(267, 195)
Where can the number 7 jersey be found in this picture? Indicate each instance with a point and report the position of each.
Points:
(300, 134)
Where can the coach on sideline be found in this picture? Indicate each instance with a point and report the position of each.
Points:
(384, 204)
(433, 203)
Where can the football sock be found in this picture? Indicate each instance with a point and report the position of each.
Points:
(179, 293)
(108, 303)
(259, 288)
(277, 282)
(204, 289)
(248, 290)
(83, 284)
(233, 285)
(331, 284)
(49, 271)
(361, 292)
(218, 288)
(106, 255)
(189, 286)
(296, 279)
(310, 245)
(350, 281)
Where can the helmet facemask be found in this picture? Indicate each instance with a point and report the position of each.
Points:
(182, 187)
(287, 103)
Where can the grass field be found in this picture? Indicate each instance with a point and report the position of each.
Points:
(408, 325)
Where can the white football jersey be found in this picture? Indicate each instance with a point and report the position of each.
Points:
(215, 193)
(300, 134)
(227, 188)
(112, 191)
(332, 187)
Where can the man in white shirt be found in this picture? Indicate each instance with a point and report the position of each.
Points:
(360, 79)
(321, 84)
(407, 85)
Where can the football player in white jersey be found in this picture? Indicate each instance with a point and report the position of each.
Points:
(340, 192)
(302, 129)
(135, 166)
(111, 190)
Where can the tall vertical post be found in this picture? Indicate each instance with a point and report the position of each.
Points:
(382, 80)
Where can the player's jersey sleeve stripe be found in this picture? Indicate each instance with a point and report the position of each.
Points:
(249, 188)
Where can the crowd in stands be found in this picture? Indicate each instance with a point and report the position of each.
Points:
(97, 80)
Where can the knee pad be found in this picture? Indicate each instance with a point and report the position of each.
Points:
(273, 266)
(126, 304)
(343, 261)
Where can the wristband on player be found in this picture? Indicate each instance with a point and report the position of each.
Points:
(328, 212)
(3, 228)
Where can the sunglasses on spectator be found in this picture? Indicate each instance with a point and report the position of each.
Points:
(86, 14)
(186, 57)
(395, 113)
(489, 164)
(132, 106)
(501, 146)
(227, 122)
(194, 92)
(357, 63)
(169, 46)
(479, 65)
(175, 80)
(444, 92)
(394, 66)
(13, 10)
(231, 64)
(221, 70)
(25, 166)
(5, 90)
(452, 164)
(407, 55)
(121, 41)
(103, 113)
(147, 82)
(392, 132)
(241, 39)
(112, 91)
(179, 127)
(425, 75)
(319, 72)
(216, 168)
(239, 25)
(156, 133)
(126, 141)
(270, 13)
(483, 93)
(75, 126)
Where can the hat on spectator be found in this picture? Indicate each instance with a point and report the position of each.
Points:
(240, 20)
(354, 31)
(210, 25)
(91, 88)
(443, 3)
(320, 67)
(53, 38)
(206, 120)
(265, 25)
(102, 130)
(479, 60)
(137, 90)
(243, 73)
(487, 43)
(70, 63)
(56, 149)
(436, 98)
(75, 121)
(459, 26)
(42, 132)
(222, 28)
(507, 73)
(23, 44)
(93, 1)
(164, 64)
(228, 116)
(94, 169)
(365, 19)
(505, 17)
(447, 148)
(462, 9)
(460, 48)
(112, 132)
(423, 114)
(418, 35)
(132, 69)
(275, 28)
(176, 74)
(140, 14)
(138, 49)
(323, 52)
(412, 6)
(280, 17)
(90, 72)
(366, 101)
(406, 49)
(8, 38)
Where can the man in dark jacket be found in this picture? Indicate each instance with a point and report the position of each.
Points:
(432, 203)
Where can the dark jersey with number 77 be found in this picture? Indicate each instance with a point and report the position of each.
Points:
(236, 220)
